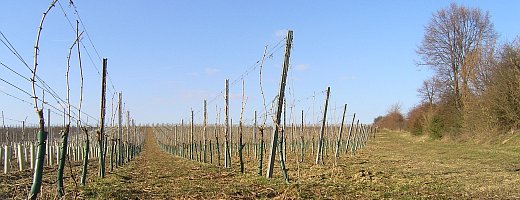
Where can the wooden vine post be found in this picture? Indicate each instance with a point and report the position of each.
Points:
(302, 144)
(101, 133)
(283, 135)
(50, 134)
(192, 139)
(230, 136)
(120, 130)
(227, 156)
(255, 147)
(240, 132)
(338, 143)
(128, 146)
(204, 136)
(356, 136)
(322, 130)
(183, 140)
(350, 134)
(261, 151)
(176, 143)
(217, 144)
(277, 120)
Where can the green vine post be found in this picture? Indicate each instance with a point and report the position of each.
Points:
(85, 159)
(61, 165)
(40, 157)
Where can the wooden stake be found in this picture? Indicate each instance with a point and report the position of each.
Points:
(255, 149)
(192, 139)
(204, 138)
(302, 145)
(240, 131)
(120, 129)
(101, 133)
(227, 157)
(339, 136)
(350, 134)
(277, 120)
(127, 137)
(216, 135)
(322, 130)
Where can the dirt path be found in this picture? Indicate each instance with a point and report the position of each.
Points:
(157, 175)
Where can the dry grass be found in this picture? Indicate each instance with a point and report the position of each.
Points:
(393, 166)
(16, 185)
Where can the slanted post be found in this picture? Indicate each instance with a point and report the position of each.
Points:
(340, 133)
(276, 125)
(322, 130)
(350, 134)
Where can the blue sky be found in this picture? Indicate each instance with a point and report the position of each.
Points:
(167, 56)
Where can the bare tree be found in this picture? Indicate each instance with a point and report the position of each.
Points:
(503, 95)
(430, 91)
(395, 108)
(454, 44)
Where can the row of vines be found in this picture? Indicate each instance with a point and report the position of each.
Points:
(256, 147)
(47, 149)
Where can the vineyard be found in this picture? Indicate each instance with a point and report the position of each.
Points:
(257, 135)
(77, 144)
(392, 165)
(49, 146)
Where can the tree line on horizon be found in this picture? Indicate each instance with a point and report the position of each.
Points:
(474, 91)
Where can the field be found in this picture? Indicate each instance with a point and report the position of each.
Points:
(393, 165)
(186, 80)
